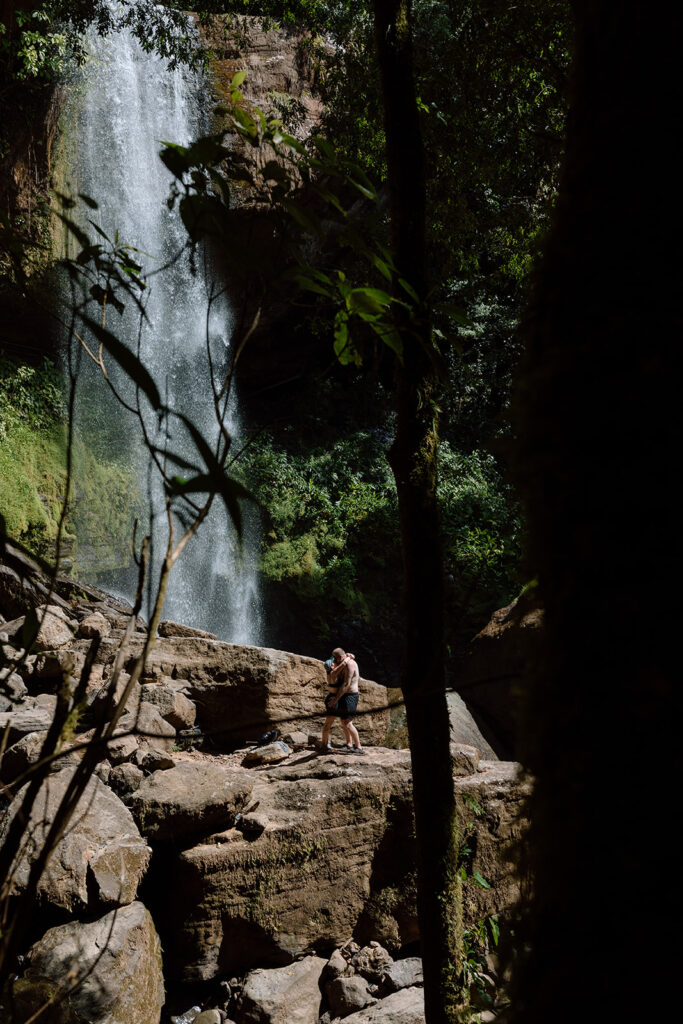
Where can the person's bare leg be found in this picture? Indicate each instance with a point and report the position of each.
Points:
(347, 733)
(329, 722)
(351, 731)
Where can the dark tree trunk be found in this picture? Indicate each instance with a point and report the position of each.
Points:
(595, 414)
(413, 460)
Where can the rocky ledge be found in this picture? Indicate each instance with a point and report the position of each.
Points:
(279, 880)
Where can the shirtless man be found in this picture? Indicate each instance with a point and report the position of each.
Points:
(342, 700)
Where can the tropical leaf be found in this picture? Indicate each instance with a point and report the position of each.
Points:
(127, 360)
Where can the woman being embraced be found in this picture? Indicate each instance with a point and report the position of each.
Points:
(342, 699)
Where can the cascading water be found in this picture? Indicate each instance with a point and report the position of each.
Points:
(126, 104)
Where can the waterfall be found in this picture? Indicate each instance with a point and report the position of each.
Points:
(125, 103)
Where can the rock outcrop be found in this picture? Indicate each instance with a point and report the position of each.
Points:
(290, 994)
(241, 691)
(188, 799)
(107, 971)
(498, 658)
(100, 860)
(273, 854)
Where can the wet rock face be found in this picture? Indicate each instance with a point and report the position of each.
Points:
(113, 963)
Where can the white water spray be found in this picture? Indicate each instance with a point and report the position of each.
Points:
(129, 103)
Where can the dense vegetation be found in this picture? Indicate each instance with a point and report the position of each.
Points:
(490, 86)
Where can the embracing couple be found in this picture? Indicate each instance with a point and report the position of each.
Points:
(342, 699)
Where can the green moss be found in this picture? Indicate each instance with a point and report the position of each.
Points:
(32, 482)
(33, 456)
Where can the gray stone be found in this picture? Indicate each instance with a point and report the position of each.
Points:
(115, 962)
(52, 628)
(267, 754)
(464, 730)
(235, 686)
(103, 771)
(124, 779)
(189, 799)
(296, 739)
(465, 759)
(347, 995)
(100, 859)
(371, 961)
(121, 749)
(402, 974)
(173, 706)
(102, 698)
(153, 732)
(12, 685)
(210, 1017)
(94, 625)
(4, 637)
(403, 1007)
(53, 665)
(336, 967)
(253, 824)
(284, 994)
(23, 721)
(26, 752)
(155, 761)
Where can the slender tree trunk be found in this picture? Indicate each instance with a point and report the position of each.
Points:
(596, 411)
(413, 459)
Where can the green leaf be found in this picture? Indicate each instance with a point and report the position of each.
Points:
(480, 880)
(324, 147)
(127, 360)
(293, 143)
(409, 289)
(391, 338)
(311, 286)
(237, 79)
(368, 300)
(175, 158)
(382, 267)
(344, 349)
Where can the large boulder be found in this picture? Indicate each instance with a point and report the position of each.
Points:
(346, 995)
(491, 807)
(464, 729)
(49, 627)
(490, 678)
(403, 1007)
(336, 858)
(107, 971)
(241, 692)
(285, 995)
(302, 883)
(171, 703)
(100, 859)
(36, 717)
(189, 799)
(402, 974)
